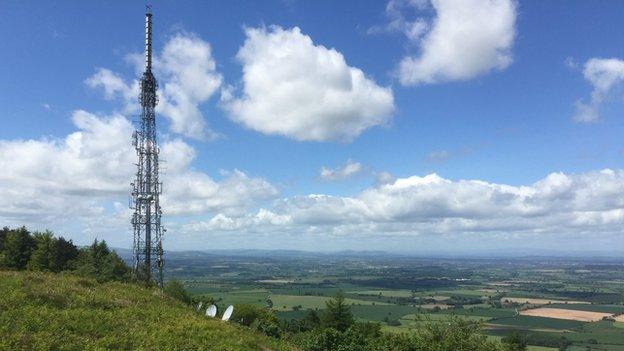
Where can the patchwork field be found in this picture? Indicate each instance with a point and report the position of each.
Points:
(402, 293)
(560, 313)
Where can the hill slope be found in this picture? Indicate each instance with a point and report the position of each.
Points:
(40, 311)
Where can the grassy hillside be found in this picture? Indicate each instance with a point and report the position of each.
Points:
(40, 311)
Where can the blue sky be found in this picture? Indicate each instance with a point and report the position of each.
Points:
(511, 119)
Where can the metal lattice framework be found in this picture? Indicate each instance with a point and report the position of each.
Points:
(148, 232)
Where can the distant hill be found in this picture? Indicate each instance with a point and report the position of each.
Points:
(41, 311)
(515, 254)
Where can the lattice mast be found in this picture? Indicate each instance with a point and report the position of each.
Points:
(147, 248)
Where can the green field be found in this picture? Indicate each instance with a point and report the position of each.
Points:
(531, 322)
(287, 302)
(253, 296)
(379, 313)
(485, 312)
(389, 291)
(426, 317)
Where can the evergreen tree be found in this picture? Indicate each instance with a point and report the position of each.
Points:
(66, 254)
(338, 314)
(18, 246)
(99, 262)
(44, 252)
(52, 254)
(3, 233)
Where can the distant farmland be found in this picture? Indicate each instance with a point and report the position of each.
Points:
(560, 313)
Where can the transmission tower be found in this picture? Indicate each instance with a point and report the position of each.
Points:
(146, 189)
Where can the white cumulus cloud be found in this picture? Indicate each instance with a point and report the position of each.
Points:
(464, 39)
(187, 75)
(559, 204)
(604, 75)
(189, 78)
(295, 88)
(44, 179)
(192, 192)
(114, 87)
(348, 170)
(84, 178)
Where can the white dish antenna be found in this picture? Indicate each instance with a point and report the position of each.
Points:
(211, 311)
(228, 313)
(199, 306)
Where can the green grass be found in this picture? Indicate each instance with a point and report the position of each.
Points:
(52, 311)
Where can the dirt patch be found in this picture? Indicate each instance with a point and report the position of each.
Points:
(499, 284)
(431, 306)
(619, 318)
(560, 313)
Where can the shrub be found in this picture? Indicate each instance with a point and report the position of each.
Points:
(247, 314)
(174, 289)
(515, 342)
(267, 326)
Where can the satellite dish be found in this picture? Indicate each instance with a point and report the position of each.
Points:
(199, 306)
(228, 313)
(211, 311)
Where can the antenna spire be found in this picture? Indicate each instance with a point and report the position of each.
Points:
(148, 38)
(148, 232)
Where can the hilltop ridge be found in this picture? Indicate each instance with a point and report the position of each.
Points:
(45, 311)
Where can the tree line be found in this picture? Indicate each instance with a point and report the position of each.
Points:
(335, 328)
(21, 249)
